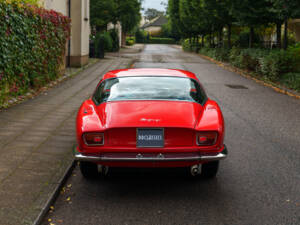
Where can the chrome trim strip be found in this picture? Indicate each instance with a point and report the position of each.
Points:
(159, 158)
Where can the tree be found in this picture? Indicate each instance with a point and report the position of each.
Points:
(151, 13)
(128, 13)
(283, 10)
(251, 13)
(174, 19)
(102, 12)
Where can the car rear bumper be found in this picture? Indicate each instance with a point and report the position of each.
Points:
(180, 157)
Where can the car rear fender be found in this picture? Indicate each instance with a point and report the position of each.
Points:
(212, 119)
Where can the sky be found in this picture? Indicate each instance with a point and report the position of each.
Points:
(154, 4)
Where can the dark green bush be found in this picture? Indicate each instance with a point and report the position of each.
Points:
(99, 45)
(277, 63)
(108, 42)
(32, 47)
(243, 39)
(115, 40)
(234, 56)
(158, 40)
(270, 63)
(103, 43)
(291, 80)
(141, 36)
(186, 46)
(221, 54)
(250, 58)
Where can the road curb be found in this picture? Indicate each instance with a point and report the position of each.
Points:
(54, 194)
(276, 87)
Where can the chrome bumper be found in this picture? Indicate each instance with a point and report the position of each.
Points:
(141, 158)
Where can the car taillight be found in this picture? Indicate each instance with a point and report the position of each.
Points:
(207, 138)
(93, 139)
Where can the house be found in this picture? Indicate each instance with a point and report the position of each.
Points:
(154, 27)
(77, 53)
(294, 25)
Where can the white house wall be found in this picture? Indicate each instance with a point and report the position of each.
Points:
(80, 29)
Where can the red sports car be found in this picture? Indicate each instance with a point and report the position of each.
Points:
(150, 118)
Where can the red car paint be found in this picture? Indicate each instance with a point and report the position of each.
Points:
(119, 120)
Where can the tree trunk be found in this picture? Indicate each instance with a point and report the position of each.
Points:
(278, 35)
(229, 36)
(123, 43)
(251, 37)
(212, 40)
(285, 42)
(220, 44)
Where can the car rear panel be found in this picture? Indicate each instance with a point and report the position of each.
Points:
(127, 137)
(150, 113)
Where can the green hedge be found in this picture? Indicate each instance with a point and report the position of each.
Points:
(276, 65)
(141, 36)
(107, 41)
(32, 47)
(157, 40)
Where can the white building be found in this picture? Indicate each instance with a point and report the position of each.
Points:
(77, 53)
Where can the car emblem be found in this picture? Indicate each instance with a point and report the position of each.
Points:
(150, 120)
(160, 156)
(139, 156)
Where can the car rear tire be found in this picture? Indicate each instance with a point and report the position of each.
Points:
(89, 170)
(210, 169)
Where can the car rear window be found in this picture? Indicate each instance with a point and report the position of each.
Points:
(149, 88)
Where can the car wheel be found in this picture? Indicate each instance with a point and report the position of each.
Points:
(89, 170)
(210, 169)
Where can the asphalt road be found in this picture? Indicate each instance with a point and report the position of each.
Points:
(259, 183)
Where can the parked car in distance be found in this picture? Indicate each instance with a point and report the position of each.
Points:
(150, 118)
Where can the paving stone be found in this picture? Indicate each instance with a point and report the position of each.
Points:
(36, 142)
(42, 162)
(17, 145)
(27, 137)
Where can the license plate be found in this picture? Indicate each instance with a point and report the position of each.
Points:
(150, 138)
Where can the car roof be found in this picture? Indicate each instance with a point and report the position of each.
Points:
(149, 72)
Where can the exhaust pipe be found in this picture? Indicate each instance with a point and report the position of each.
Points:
(195, 170)
(103, 170)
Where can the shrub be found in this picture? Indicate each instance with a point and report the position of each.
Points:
(141, 36)
(31, 2)
(157, 40)
(130, 41)
(108, 42)
(32, 43)
(295, 51)
(234, 56)
(276, 63)
(250, 58)
(103, 43)
(186, 46)
(99, 45)
(291, 80)
(115, 40)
